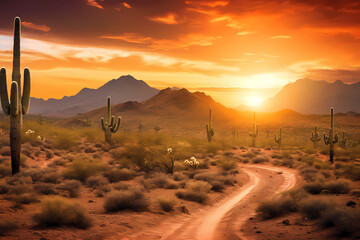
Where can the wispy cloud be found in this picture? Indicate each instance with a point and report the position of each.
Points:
(170, 18)
(281, 37)
(34, 26)
(94, 3)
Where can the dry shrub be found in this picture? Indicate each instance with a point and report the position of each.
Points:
(260, 159)
(312, 208)
(276, 207)
(167, 204)
(62, 212)
(115, 175)
(96, 181)
(81, 169)
(5, 151)
(157, 180)
(71, 187)
(340, 186)
(344, 221)
(314, 187)
(195, 191)
(178, 176)
(127, 199)
(226, 164)
(45, 188)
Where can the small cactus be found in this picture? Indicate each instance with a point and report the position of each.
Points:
(110, 127)
(278, 138)
(267, 130)
(209, 130)
(315, 137)
(140, 126)
(333, 137)
(87, 122)
(40, 119)
(254, 133)
(157, 128)
(18, 104)
(342, 141)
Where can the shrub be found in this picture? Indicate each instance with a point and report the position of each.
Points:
(205, 176)
(195, 191)
(260, 159)
(136, 155)
(4, 188)
(217, 186)
(276, 207)
(72, 187)
(178, 176)
(25, 198)
(45, 188)
(6, 226)
(338, 187)
(51, 177)
(312, 208)
(81, 169)
(314, 187)
(115, 175)
(121, 186)
(226, 163)
(96, 181)
(61, 212)
(167, 204)
(158, 180)
(122, 200)
(344, 221)
(198, 186)
(5, 151)
(103, 190)
(18, 180)
(65, 140)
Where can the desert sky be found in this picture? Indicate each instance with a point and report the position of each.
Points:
(238, 51)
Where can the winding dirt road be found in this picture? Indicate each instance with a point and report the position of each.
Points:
(225, 219)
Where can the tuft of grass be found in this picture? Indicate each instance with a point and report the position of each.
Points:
(167, 204)
(195, 191)
(115, 175)
(127, 199)
(96, 181)
(45, 188)
(71, 187)
(226, 164)
(62, 212)
(81, 169)
(260, 159)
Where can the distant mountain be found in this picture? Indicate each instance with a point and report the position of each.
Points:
(171, 108)
(123, 89)
(316, 97)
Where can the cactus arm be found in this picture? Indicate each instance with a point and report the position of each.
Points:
(14, 96)
(257, 130)
(326, 139)
(3, 92)
(112, 121)
(108, 117)
(103, 124)
(116, 127)
(16, 52)
(25, 100)
(336, 138)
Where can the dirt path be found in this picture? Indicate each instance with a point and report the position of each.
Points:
(225, 219)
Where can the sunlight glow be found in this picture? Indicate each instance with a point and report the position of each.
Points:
(254, 101)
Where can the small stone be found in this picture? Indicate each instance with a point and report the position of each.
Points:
(251, 218)
(91, 201)
(350, 203)
(184, 210)
(286, 222)
(258, 231)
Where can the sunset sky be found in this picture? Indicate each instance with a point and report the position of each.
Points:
(238, 51)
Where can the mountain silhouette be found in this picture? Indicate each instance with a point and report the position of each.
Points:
(125, 88)
(316, 97)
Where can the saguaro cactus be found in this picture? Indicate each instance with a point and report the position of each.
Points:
(40, 119)
(254, 133)
(278, 139)
(315, 137)
(157, 128)
(110, 127)
(267, 130)
(18, 104)
(342, 141)
(209, 130)
(87, 122)
(332, 138)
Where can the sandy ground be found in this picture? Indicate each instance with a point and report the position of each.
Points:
(224, 219)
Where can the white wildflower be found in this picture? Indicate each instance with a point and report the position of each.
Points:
(169, 150)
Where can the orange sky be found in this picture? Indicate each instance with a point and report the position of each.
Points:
(235, 50)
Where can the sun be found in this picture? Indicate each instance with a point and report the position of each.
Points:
(254, 100)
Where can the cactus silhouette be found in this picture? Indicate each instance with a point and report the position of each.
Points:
(110, 127)
(315, 137)
(278, 139)
(18, 104)
(342, 141)
(333, 137)
(209, 130)
(40, 119)
(267, 130)
(254, 133)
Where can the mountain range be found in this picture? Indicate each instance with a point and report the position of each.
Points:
(307, 96)
(125, 88)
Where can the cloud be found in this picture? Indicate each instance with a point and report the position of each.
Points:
(94, 3)
(130, 37)
(34, 26)
(166, 19)
(126, 5)
(243, 33)
(281, 37)
(211, 3)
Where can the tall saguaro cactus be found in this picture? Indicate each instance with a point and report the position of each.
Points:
(18, 104)
(315, 137)
(110, 127)
(278, 139)
(254, 133)
(343, 140)
(333, 137)
(209, 130)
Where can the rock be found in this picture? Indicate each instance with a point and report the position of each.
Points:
(286, 222)
(251, 218)
(91, 201)
(184, 209)
(258, 231)
(350, 203)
